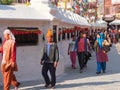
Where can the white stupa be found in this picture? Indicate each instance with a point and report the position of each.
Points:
(43, 6)
(39, 2)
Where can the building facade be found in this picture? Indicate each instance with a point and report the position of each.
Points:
(112, 7)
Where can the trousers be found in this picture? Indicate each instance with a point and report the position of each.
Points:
(81, 59)
(101, 66)
(73, 58)
(49, 67)
(9, 78)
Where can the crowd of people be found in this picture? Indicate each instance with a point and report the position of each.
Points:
(99, 41)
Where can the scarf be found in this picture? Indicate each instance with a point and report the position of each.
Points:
(100, 40)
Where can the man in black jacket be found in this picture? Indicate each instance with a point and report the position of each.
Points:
(50, 60)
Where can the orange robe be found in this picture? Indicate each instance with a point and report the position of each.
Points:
(9, 65)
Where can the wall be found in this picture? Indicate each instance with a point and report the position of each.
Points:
(107, 6)
(28, 57)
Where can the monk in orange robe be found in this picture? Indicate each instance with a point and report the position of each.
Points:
(8, 65)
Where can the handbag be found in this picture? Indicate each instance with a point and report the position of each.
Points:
(14, 67)
(106, 48)
(88, 54)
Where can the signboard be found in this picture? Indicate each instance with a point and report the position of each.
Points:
(115, 2)
(112, 10)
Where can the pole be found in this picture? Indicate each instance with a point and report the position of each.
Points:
(104, 8)
(65, 5)
(107, 26)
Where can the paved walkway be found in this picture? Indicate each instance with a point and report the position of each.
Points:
(88, 80)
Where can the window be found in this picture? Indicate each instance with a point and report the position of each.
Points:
(107, 2)
(25, 36)
(118, 9)
(107, 11)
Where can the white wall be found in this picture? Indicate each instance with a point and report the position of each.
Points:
(28, 57)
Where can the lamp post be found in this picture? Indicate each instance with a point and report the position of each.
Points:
(108, 20)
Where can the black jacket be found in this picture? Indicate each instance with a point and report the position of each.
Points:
(53, 54)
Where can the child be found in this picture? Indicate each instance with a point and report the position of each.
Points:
(71, 52)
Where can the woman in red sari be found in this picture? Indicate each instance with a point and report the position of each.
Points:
(101, 55)
(8, 65)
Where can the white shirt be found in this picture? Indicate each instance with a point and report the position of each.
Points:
(72, 45)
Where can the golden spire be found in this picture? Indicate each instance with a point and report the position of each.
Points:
(28, 3)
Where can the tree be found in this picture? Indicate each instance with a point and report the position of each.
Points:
(6, 2)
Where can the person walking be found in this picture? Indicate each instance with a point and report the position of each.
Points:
(81, 45)
(101, 55)
(71, 52)
(9, 65)
(49, 61)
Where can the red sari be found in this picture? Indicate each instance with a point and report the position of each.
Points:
(101, 55)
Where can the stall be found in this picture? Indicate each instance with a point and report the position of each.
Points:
(116, 23)
(99, 24)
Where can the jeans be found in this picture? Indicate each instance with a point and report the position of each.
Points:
(81, 58)
(101, 66)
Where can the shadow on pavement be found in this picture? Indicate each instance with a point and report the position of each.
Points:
(82, 84)
(112, 68)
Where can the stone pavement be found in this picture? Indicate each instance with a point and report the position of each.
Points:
(88, 80)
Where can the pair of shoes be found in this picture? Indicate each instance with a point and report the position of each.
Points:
(104, 71)
(85, 66)
(52, 86)
(16, 88)
(18, 84)
(47, 85)
(98, 72)
(81, 71)
(73, 67)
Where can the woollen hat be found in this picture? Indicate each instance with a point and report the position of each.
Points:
(49, 33)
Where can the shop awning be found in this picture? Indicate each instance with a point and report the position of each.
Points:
(115, 22)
